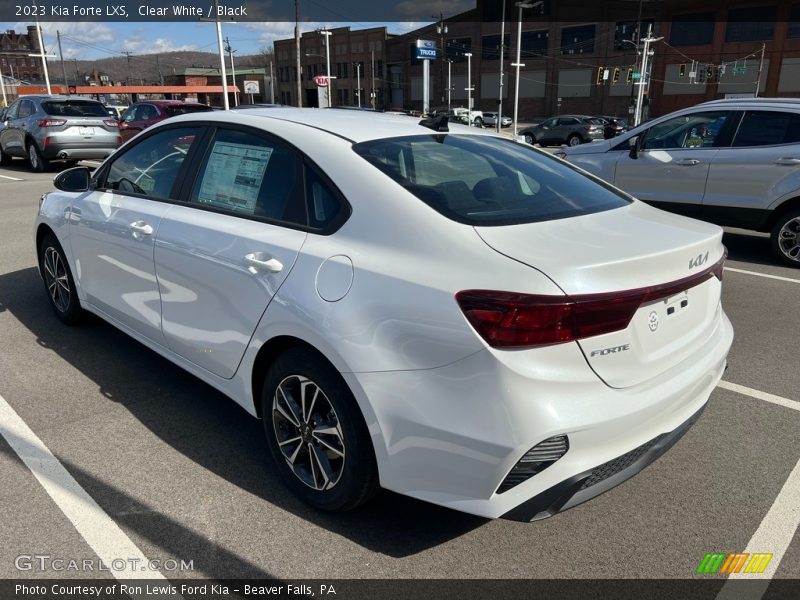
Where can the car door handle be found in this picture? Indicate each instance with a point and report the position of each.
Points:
(788, 161)
(141, 228)
(687, 162)
(261, 261)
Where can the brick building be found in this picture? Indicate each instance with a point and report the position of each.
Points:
(352, 54)
(14, 50)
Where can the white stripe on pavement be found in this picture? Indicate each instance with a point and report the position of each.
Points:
(773, 535)
(740, 389)
(11, 178)
(765, 275)
(102, 534)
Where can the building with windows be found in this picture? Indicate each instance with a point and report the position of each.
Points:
(15, 49)
(356, 57)
(715, 51)
(579, 57)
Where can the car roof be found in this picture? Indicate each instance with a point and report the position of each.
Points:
(790, 102)
(170, 103)
(43, 97)
(355, 126)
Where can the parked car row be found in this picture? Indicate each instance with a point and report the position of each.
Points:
(45, 129)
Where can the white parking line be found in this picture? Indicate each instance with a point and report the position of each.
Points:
(102, 534)
(773, 535)
(11, 178)
(766, 275)
(779, 400)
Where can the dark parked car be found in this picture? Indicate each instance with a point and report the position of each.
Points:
(564, 129)
(613, 126)
(142, 115)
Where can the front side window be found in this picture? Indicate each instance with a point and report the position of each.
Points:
(695, 130)
(146, 112)
(764, 128)
(13, 110)
(250, 175)
(151, 167)
(485, 181)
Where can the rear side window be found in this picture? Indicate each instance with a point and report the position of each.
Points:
(151, 167)
(764, 128)
(486, 180)
(174, 111)
(26, 109)
(324, 205)
(74, 108)
(250, 175)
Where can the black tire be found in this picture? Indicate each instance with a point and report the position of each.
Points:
(5, 159)
(58, 281)
(574, 140)
(344, 482)
(785, 238)
(36, 161)
(478, 122)
(543, 144)
(529, 139)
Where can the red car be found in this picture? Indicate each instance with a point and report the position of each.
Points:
(143, 114)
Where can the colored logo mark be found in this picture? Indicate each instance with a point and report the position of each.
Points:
(734, 562)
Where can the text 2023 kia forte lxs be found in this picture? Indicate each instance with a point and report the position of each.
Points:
(447, 314)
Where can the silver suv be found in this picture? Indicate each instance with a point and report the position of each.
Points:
(733, 162)
(45, 128)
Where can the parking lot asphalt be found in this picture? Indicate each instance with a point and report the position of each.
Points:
(185, 474)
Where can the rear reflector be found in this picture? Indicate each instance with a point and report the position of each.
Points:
(535, 460)
(51, 122)
(511, 320)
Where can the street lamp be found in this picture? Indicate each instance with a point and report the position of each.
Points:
(449, 78)
(328, 35)
(518, 64)
(469, 87)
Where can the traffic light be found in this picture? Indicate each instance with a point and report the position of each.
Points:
(616, 74)
(682, 70)
(710, 72)
(629, 77)
(599, 75)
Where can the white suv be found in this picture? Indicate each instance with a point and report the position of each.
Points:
(731, 162)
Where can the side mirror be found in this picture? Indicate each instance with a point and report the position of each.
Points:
(636, 146)
(76, 179)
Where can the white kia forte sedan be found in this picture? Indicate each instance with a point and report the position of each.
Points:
(451, 315)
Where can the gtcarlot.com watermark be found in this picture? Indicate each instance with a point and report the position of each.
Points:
(45, 563)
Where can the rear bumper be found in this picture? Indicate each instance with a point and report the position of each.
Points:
(585, 486)
(95, 150)
(451, 435)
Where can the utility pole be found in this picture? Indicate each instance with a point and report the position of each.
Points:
(328, 35)
(760, 68)
(42, 54)
(128, 74)
(449, 79)
(230, 52)
(469, 87)
(3, 87)
(373, 95)
(298, 66)
(61, 57)
(441, 29)
(158, 66)
(499, 118)
(645, 75)
(271, 84)
(224, 75)
(358, 82)
(77, 73)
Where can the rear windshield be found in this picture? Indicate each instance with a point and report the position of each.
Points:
(486, 180)
(74, 108)
(174, 111)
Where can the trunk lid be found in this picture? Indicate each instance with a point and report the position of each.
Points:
(614, 252)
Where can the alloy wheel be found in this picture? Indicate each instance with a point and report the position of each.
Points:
(33, 157)
(789, 239)
(55, 274)
(308, 432)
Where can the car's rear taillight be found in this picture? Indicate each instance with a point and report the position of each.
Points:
(51, 122)
(508, 319)
(111, 123)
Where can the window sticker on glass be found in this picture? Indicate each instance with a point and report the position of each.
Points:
(233, 176)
